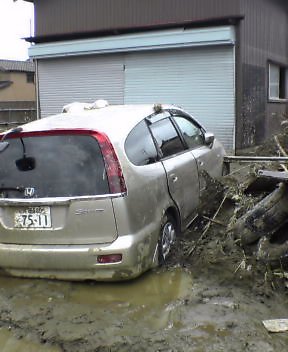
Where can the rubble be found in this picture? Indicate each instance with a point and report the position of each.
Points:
(261, 227)
(264, 219)
(246, 226)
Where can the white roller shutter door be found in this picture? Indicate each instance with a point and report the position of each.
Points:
(200, 80)
(83, 79)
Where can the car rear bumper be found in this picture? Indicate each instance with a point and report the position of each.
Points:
(80, 262)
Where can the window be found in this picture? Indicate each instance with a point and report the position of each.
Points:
(30, 77)
(139, 146)
(278, 82)
(68, 165)
(167, 137)
(192, 134)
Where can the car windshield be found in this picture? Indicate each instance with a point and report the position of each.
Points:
(52, 166)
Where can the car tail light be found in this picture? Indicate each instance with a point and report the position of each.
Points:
(109, 258)
(113, 168)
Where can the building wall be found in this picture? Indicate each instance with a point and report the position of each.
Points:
(19, 90)
(80, 16)
(262, 39)
(18, 101)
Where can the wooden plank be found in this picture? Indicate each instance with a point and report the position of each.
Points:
(281, 176)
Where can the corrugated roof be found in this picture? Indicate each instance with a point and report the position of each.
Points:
(20, 66)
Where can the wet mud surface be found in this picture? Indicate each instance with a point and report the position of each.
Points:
(171, 309)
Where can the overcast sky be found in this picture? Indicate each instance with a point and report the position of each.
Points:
(16, 22)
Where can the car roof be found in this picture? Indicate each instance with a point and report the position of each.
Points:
(114, 120)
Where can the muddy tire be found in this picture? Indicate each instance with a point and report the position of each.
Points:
(167, 238)
(265, 218)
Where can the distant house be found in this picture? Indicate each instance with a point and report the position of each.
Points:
(224, 61)
(17, 92)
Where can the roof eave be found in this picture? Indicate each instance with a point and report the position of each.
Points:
(231, 20)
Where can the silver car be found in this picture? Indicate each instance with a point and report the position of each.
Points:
(100, 192)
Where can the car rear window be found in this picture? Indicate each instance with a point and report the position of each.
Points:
(52, 166)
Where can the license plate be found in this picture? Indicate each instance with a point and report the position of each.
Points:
(33, 217)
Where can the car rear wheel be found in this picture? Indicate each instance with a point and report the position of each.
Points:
(166, 239)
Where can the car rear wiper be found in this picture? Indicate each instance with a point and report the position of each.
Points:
(3, 144)
(6, 189)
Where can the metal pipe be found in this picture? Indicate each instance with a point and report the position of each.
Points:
(231, 159)
(38, 116)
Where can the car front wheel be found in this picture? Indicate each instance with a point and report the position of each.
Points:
(225, 169)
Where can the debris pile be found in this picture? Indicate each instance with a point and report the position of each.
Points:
(246, 223)
(264, 225)
(261, 225)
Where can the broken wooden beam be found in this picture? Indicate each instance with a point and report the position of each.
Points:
(264, 219)
(279, 176)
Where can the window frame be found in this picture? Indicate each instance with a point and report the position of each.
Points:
(281, 86)
(168, 116)
(30, 77)
(187, 117)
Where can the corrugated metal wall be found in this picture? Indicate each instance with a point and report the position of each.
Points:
(199, 80)
(62, 81)
(263, 39)
(82, 16)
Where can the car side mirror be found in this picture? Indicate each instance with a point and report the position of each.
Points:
(209, 138)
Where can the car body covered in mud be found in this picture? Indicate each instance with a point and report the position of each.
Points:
(100, 192)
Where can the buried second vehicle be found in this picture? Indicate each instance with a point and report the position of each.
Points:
(100, 193)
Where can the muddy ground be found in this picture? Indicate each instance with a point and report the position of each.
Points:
(211, 296)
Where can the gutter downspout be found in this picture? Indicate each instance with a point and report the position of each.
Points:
(37, 90)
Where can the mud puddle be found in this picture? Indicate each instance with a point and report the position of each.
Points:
(164, 310)
(70, 315)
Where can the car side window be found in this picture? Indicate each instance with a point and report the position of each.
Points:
(140, 147)
(192, 133)
(167, 137)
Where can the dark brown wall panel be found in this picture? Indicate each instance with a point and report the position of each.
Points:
(263, 37)
(76, 16)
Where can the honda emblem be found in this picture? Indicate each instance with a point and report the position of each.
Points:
(29, 192)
